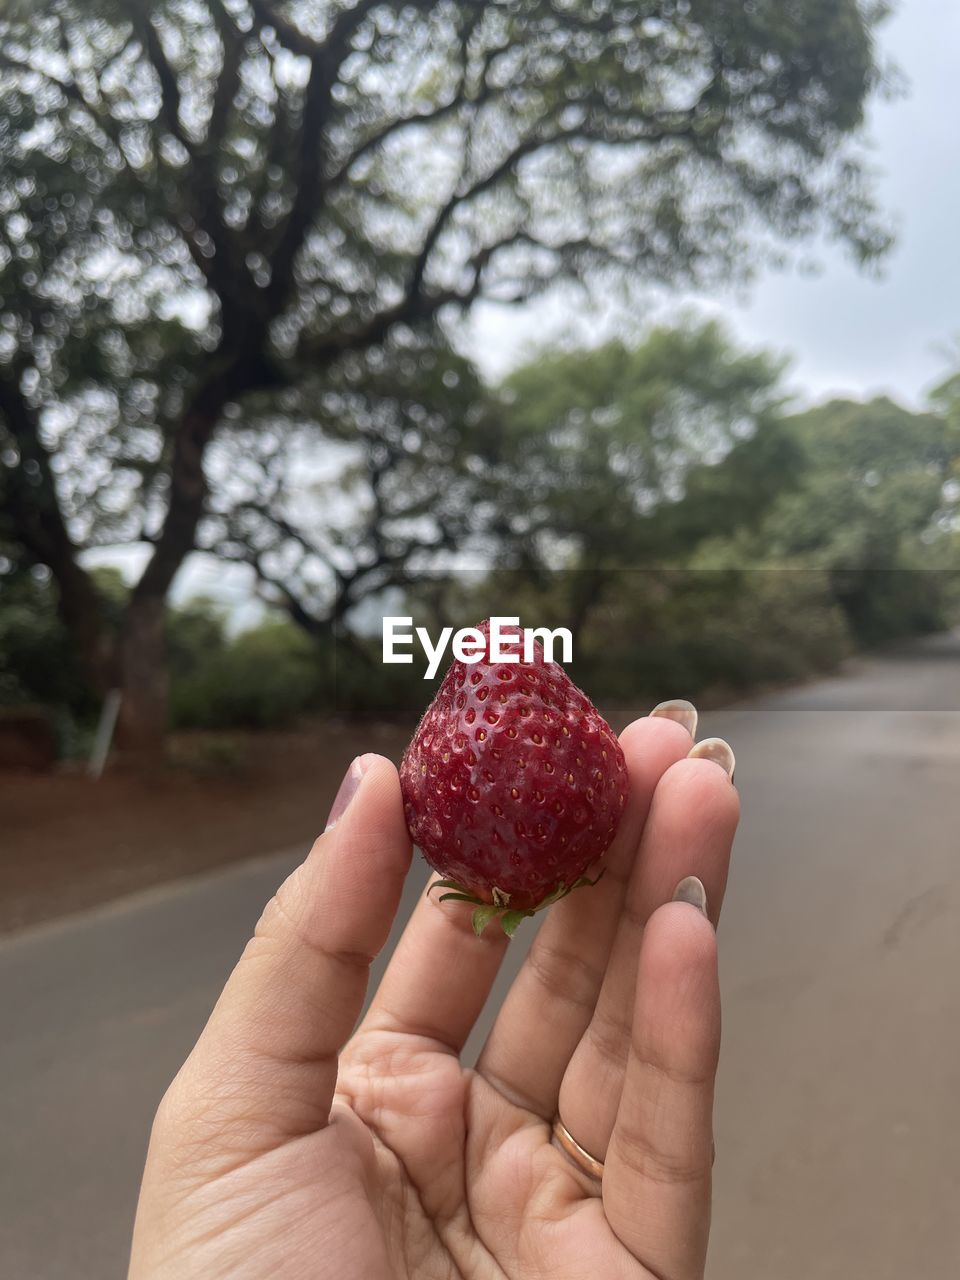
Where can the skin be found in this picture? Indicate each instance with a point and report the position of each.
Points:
(287, 1146)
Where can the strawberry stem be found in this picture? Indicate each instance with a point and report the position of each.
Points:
(509, 918)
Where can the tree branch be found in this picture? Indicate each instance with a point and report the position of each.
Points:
(240, 370)
(461, 98)
(229, 77)
(417, 304)
(395, 126)
(326, 58)
(220, 277)
(169, 86)
(245, 367)
(308, 181)
(197, 185)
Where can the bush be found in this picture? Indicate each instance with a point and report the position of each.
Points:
(36, 662)
(685, 632)
(262, 679)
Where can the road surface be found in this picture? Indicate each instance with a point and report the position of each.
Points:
(838, 1141)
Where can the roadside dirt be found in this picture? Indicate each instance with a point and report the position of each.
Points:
(67, 843)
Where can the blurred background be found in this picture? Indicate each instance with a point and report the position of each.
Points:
(634, 318)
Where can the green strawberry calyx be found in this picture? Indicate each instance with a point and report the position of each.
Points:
(500, 907)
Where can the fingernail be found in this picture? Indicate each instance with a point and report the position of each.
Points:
(348, 788)
(691, 890)
(718, 751)
(683, 712)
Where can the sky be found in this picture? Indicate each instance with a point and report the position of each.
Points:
(847, 333)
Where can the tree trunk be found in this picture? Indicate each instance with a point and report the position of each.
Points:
(144, 678)
(81, 612)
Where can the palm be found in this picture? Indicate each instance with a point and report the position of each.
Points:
(474, 1180)
(465, 1184)
(282, 1150)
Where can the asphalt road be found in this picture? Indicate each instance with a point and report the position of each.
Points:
(838, 1134)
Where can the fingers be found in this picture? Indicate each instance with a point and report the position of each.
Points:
(552, 998)
(439, 976)
(267, 1059)
(689, 832)
(660, 1152)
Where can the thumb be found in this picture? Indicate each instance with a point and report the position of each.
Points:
(265, 1067)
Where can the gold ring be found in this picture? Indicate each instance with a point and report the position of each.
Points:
(582, 1159)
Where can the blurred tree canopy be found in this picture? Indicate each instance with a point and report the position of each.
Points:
(877, 511)
(206, 206)
(621, 458)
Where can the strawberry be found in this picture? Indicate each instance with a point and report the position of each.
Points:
(513, 785)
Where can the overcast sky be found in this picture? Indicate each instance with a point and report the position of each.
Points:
(847, 332)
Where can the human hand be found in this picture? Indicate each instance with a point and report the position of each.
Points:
(288, 1147)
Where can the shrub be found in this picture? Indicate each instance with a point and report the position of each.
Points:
(262, 679)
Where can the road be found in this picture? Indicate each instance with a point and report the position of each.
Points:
(838, 1143)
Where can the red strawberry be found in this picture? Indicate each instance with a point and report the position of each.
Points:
(513, 784)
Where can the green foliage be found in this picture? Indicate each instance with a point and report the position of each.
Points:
(364, 688)
(876, 511)
(196, 637)
(619, 458)
(712, 626)
(602, 444)
(263, 678)
(36, 662)
(719, 629)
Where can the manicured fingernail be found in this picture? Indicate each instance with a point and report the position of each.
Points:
(691, 890)
(348, 788)
(683, 712)
(718, 751)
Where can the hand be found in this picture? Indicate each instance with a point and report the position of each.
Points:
(287, 1147)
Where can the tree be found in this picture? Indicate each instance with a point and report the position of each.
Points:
(202, 201)
(622, 459)
(876, 509)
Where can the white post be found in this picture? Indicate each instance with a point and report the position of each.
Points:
(105, 728)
